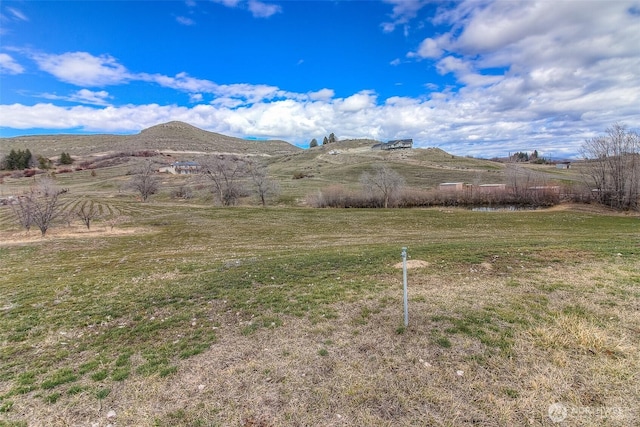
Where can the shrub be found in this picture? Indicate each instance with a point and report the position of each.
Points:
(300, 175)
(182, 192)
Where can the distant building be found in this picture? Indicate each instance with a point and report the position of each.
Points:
(182, 168)
(491, 188)
(563, 165)
(394, 144)
(452, 186)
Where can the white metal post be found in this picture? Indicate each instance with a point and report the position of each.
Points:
(404, 287)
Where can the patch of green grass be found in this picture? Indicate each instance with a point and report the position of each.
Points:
(513, 283)
(26, 378)
(6, 406)
(120, 373)
(123, 358)
(154, 363)
(25, 382)
(52, 398)
(76, 389)
(169, 370)
(442, 341)
(100, 375)
(88, 367)
(102, 393)
(577, 310)
(250, 328)
(323, 352)
(61, 376)
(512, 393)
(13, 423)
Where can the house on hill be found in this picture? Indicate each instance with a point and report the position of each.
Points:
(394, 144)
(182, 168)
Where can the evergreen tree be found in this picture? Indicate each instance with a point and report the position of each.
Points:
(325, 141)
(332, 138)
(313, 143)
(26, 159)
(65, 159)
(20, 159)
(11, 160)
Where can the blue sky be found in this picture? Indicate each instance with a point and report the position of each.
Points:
(479, 78)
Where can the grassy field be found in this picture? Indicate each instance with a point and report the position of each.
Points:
(187, 315)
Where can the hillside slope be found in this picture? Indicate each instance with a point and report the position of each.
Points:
(173, 136)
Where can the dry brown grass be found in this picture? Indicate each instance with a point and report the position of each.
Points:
(357, 370)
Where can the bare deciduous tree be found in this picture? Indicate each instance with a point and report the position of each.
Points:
(87, 212)
(115, 218)
(384, 184)
(613, 167)
(262, 184)
(226, 174)
(525, 185)
(144, 181)
(23, 212)
(40, 206)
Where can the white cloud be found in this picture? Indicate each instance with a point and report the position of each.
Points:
(257, 8)
(446, 121)
(82, 96)
(322, 95)
(91, 97)
(83, 69)
(228, 3)
(541, 67)
(403, 12)
(185, 21)
(429, 48)
(8, 65)
(17, 14)
(195, 97)
(181, 81)
(263, 10)
(357, 102)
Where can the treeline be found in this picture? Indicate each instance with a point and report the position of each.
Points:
(17, 160)
(522, 156)
(330, 140)
(24, 159)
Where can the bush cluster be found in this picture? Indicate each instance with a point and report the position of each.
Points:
(337, 196)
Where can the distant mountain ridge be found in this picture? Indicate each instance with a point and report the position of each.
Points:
(172, 136)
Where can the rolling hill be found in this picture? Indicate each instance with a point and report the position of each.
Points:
(172, 137)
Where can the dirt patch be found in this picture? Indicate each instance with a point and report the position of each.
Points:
(413, 263)
(34, 236)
